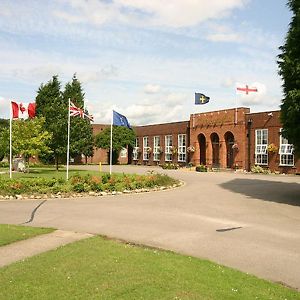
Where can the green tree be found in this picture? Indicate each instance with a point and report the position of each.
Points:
(28, 138)
(81, 132)
(51, 105)
(4, 138)
(121, 137)
(289, 70)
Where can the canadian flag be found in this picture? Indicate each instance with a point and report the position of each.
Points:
(22, 110)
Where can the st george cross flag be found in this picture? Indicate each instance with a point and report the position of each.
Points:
(245, 89)
(201, 98)
(120, 120)
(76, 111)
(22, 110)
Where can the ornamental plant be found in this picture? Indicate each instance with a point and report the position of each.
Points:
(235, 146)
(190, 149)
(272, 148)
(149, 150)
(174, 150)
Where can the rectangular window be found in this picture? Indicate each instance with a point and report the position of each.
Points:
(135, 152)
(156, 148)
(146, 148)
(261, 146)
(286, 151)
(168, 147)
(181, 147)
(123, 152)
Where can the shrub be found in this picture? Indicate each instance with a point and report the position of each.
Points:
(170, 166)
(259, 169)
(201, 168)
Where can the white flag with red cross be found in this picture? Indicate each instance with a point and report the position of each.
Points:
(22, 110)
(245, 89)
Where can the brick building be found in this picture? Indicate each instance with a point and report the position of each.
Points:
(230, 138)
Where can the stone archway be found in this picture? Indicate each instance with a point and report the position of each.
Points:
(202, 146)
(215, 143)
(229, 141)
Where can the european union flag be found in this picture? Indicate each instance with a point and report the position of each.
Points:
(120, 120)
(201, 98)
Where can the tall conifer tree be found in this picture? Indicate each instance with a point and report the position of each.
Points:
(51, 105)
(289, 69)
(81, 133)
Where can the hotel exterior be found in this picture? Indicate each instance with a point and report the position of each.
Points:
(223, 139)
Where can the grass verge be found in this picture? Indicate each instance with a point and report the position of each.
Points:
(14, 233)
(98, 268)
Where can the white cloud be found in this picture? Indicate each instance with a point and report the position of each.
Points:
(172, 13)
(152, 88)
(4, 104)
(224, 37)
(254, 98)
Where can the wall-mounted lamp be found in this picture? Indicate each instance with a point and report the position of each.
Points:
(270, 114)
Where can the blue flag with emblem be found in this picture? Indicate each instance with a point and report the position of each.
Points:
(120, 120)
(201, 98)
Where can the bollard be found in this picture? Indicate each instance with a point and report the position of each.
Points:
(100, 167)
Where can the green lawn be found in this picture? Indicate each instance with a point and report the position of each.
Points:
(98, 268)
(48, 172)
(13, 233)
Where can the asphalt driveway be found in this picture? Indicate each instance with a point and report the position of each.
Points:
(245, 221)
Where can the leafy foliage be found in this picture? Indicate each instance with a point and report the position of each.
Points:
(170, 166)
(289, 69)
(201, 168)
(4, 138)
(121, 137)
(51, 105)
(28, 138)
(81, 133)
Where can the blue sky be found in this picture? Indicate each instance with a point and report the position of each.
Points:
(145, 59)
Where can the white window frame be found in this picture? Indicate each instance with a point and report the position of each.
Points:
(146, 154)
(168, 147)
(261, 147)
(135, 152)
(286, 152)
(123, 152)
(181, 147)
(156, 148)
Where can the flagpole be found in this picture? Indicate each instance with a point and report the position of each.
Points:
(10, 143)
(110, 154)
(68, 147)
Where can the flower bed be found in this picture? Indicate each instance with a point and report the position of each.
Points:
(83, 184)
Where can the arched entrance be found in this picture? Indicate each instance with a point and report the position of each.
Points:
(215, 142)
(229, 140)
(202, 145)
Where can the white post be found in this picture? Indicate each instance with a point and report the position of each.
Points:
(110, 154)
(10, 143)
(68, 147)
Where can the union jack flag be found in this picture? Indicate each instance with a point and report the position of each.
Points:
(76, 111)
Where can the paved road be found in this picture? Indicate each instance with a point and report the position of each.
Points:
(249, 222)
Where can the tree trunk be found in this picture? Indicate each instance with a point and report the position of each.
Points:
(56, 162)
